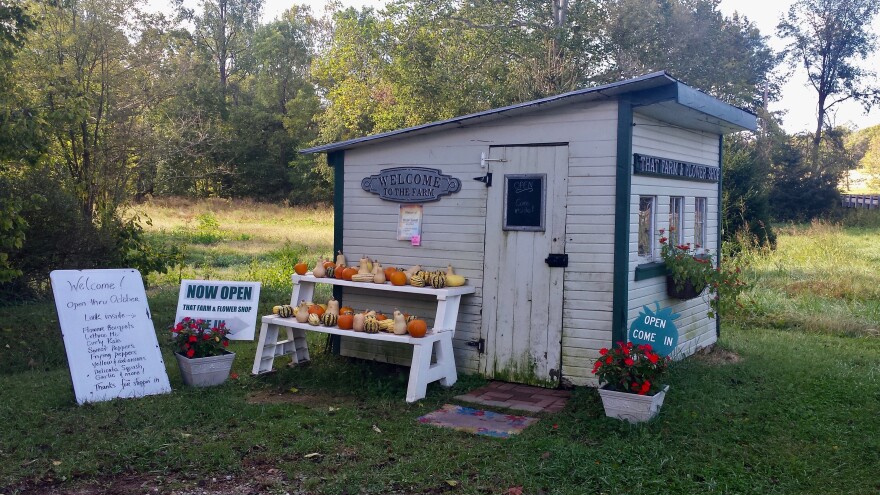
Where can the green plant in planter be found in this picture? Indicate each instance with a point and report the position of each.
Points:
(692, 269)
(196, 339)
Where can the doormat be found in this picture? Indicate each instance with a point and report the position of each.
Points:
(488, 423)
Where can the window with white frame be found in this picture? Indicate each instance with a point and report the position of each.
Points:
(700, 223)
(646, 226)
(676, 217)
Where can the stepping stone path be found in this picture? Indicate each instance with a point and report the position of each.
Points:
(518, 397)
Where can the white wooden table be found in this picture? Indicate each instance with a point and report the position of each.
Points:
(438, 340)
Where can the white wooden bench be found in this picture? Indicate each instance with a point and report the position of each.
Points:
(437, 342)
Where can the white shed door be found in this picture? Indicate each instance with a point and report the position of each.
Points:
(522, 294)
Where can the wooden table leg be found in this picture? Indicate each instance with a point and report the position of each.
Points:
(446, 361)
(418, 371)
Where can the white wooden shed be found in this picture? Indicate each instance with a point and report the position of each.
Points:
(573, 175)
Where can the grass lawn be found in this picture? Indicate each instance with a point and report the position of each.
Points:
(789, 404)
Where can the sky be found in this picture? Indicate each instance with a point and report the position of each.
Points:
(798, 99)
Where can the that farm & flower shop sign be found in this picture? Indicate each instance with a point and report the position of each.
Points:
(674, 169)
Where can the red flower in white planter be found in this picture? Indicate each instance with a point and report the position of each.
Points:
(630, 368)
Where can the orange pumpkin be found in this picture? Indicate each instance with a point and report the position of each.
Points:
(314, 309)
(380, 317)
(328, 264)
(389, 272)
(398, 278)
(346, 310)
(340, 269)
(417, 328)
(300, 268)
(345, 321)
(348, 273)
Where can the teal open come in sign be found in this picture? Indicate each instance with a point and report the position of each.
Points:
(655, 328)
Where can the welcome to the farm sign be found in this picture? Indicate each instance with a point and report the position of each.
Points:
(411, 184)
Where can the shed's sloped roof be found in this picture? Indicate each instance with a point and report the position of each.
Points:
(684, 106)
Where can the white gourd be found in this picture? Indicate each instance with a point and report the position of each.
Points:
(302, 315)
(365, 267)
(378, 274)
(333, 306)
(399, 323)
(358, 322)
(318, 271)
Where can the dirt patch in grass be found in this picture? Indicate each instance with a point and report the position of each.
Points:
(310, 399)
(717, 356)
(256, 479)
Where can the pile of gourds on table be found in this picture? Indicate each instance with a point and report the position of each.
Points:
(369, 321)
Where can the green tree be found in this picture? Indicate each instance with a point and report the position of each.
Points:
(865, 148)
(829, 38)
(224, 29)
(88, 89)
(804, 189)
(83, 71)
(746, 199)
(726, 57)
(18, 134)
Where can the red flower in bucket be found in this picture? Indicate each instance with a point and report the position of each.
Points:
(197, 339)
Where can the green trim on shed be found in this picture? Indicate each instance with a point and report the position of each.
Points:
(336, 159)
(623, 193)
(650, 270)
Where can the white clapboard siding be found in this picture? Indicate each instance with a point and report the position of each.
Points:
(453, 229)
(586, 309)
(653, 137)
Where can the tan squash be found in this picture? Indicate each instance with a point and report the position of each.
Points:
(340, 259)
(302, 314)
(378, 274)
(319, 271)
(399, 323)
(333, 306)
(358, 323)
(365, 267)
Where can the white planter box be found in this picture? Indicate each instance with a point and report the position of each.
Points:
(206, 371)
(634, 408)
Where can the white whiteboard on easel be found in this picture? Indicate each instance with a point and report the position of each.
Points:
(109, 335)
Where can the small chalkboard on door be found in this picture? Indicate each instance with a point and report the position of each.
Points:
(525, 199)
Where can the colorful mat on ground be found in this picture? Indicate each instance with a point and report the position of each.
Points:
(471, 420)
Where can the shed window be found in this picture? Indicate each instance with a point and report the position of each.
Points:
(699, 222)
(646, 226)
(676, 210)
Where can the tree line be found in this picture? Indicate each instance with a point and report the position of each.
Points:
(104, 103)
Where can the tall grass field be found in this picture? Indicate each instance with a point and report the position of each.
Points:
(787, 403)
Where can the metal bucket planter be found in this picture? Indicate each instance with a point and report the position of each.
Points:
(688, 291)
(206, 371)
(634, 408)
